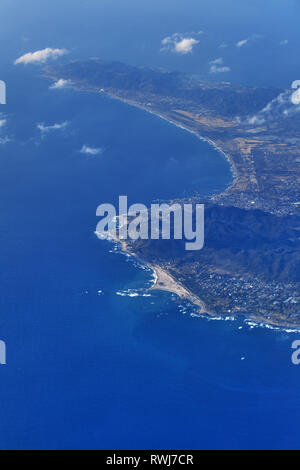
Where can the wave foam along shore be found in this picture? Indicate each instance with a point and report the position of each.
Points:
(164, 281)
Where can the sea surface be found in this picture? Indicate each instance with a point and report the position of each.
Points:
(94, 361)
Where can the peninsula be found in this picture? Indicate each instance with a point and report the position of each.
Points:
(250, 264)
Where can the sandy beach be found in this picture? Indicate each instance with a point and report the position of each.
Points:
(164, 281)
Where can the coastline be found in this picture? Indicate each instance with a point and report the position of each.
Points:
(233, 168)
(129, 102)
(227, 156)
(164, 281)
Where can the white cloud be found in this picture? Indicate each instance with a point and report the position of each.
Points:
(61, 83)
(216, 66)
(185, 45)
(3, 121)
(53, 127)
(284, 42)
(40, 56)
(217, 61)
(223, 45)
(181, 43)
(286, 104)
(217, 69)
(91, 150)
(255, 120)
(242, 42)
(4, 140)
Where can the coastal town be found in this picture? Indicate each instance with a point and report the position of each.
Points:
(260, 139)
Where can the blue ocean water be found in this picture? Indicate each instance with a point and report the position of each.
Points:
(86, 366)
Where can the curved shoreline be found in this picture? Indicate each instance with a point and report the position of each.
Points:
(213, 144)
(171, 285)
(229, 159)
(163, 280)
(166, 282)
